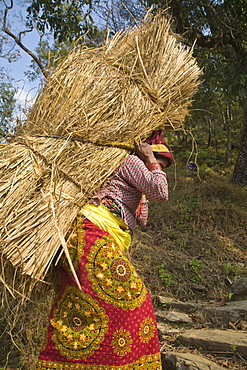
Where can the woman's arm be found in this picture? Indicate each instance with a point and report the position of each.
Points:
(145, 152)
(151, 183)
(142, 212)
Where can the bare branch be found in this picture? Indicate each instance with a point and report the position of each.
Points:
(24, 32)
(19, 42)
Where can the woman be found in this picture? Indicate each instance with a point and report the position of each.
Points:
(110, 322)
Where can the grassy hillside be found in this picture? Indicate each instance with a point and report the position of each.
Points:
(194, 245)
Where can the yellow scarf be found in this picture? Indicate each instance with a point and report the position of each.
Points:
(107, 221)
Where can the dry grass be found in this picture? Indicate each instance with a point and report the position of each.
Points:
(40, 196)
(140, 80)
(198, 236)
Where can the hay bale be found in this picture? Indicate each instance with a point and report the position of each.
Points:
(140, 80)
(41, 192)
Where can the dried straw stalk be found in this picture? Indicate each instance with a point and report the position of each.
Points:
(40, 198)
(140, 80)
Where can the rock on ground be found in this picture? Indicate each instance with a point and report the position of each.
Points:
(186, 361)
(215, 340)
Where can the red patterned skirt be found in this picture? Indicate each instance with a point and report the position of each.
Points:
(108, 324)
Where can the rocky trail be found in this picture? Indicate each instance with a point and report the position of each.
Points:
(204, 335)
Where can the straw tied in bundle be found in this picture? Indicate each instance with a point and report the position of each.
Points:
(82, 126)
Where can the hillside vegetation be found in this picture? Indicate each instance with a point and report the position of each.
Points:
(194, 245)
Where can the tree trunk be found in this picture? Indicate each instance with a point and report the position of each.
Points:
(229, 132)
(240, 170)
(209, 130)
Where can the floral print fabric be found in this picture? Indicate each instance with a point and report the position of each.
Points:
(108, 324)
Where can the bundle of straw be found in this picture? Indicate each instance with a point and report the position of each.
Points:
(41, 197)
(140, 80)
(82, 126)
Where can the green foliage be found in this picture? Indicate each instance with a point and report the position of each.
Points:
(118, 14)
(67, 20)
(218, 30)
(231, 269)
(233, 347)
(165, 277)
(185, 206)
(7, 102)
(195, 265)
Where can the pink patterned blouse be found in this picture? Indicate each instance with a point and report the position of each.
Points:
(126, 186)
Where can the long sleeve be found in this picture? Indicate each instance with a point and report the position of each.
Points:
(126, 186)
(152, 184)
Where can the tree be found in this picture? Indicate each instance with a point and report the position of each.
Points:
(65, 20)
(7, 103)
(240, 170)
(216, 109)
(219, 31)
(118, 14)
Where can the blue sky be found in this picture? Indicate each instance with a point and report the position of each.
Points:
(26, 90)
(16, 71)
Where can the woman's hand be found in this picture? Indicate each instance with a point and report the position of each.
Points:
(145, 152)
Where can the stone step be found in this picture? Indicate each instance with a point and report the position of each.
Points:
(173, 316)
(186, 307)
(216, 341)
(165, 330)
(231, 312)
(221, 315)
(187, 361)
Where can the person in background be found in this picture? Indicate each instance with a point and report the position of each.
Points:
(109, 323)
(192, 167)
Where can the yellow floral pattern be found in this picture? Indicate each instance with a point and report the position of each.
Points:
(150, 362)
(113, 277)
(79, 324)
(121, 342)
(147, 330)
